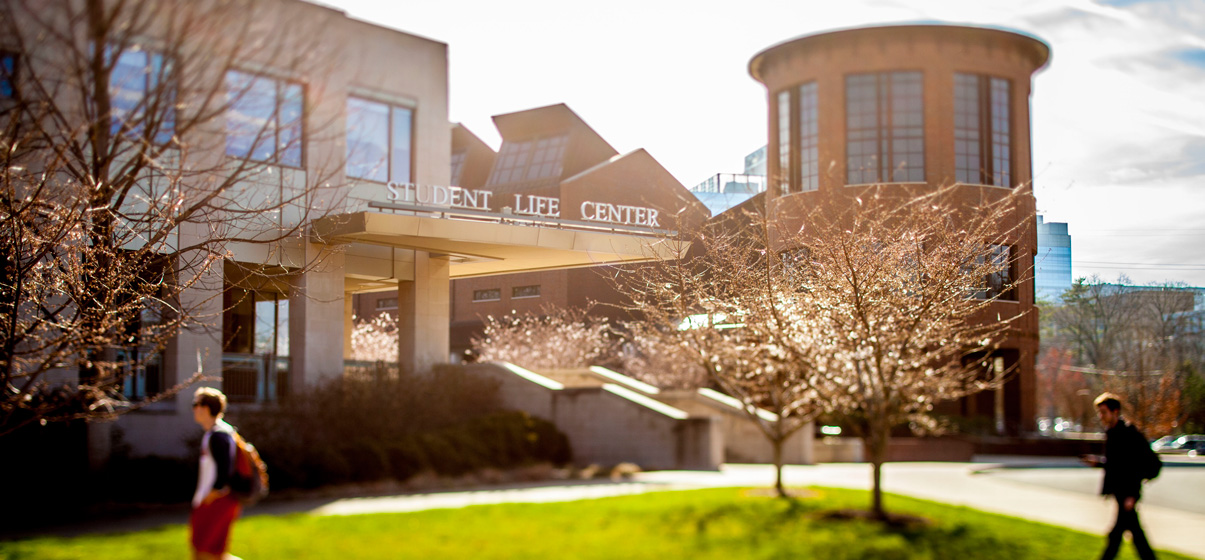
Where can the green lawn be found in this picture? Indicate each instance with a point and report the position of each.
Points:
(704, 524)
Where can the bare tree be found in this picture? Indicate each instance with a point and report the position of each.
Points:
(1142, 342)
(555, 338)
(139, 141)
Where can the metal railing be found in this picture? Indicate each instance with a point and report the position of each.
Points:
(255, 378)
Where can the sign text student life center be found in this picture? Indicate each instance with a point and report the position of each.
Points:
(524, 204)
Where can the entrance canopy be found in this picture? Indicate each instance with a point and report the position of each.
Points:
(482, 243)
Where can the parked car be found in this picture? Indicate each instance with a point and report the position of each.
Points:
(1192, 444)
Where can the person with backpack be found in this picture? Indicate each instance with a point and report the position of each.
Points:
(214, 506)
(1128, 460)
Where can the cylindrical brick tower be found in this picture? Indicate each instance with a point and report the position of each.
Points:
(918, 107)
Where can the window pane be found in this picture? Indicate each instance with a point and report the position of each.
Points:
(265, 326)
(908, 120)
(862, 128)
(1001, 137)
(494, 294)
(367, 140)
(784, 141)
(282, 327)
(165, 98)
(387, 303)
(809, 128)
(8, 73)
(400, 152)
(291, 109)
(250, 122)
(127, 89)
(525, 291)
(457, 167)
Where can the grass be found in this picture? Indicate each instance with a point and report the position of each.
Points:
(703, 524)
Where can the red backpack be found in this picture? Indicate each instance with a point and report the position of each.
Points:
(249, 481)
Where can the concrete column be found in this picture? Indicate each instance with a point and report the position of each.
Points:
(423, 315)
(316, 319)
(349, 314)
(197, 347)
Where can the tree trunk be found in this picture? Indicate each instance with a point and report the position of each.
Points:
(876, 447)
(777, 445)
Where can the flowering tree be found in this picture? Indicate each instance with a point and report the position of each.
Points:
(904, 285)
(375, 340)
(725, 311)
(874, 310)
(556, 338)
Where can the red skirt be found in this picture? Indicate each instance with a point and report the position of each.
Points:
(210, 524)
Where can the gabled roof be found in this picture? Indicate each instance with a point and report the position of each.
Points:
(543, 121)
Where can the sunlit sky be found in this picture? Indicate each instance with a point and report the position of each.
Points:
(1118, 114)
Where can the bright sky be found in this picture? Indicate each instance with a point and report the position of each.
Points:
(1118, 114)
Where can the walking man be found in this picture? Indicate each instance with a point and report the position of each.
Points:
(1125, 449)
(214, 508)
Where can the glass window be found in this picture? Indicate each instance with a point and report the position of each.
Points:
(798, 125)
(982, 137)
(134, 88)
(809, 138)
(457, 167)
(528, 160)
(885, 127)
(1001, 136)
(387, 303)
(271, 325)
(8, 75)
(493, 294)
(525, 292)
(784, 141)
(378, 141)
(367, 140)
(999, 284)
(142, 372)
(264, 121)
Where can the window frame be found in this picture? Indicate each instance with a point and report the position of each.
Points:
(390, 138)
(514, 292)
(457, 166)
(799, 150)
(10, 75)
(1006, 288)
(886, 131)
(517, 159)
(993, 149)
(155, 69)
(390, 303)
(280, 88)
(496, 297)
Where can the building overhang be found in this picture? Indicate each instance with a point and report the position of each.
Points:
(486, 243)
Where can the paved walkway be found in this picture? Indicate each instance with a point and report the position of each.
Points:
(1057, 492)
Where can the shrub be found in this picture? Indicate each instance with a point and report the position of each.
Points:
(363, 429)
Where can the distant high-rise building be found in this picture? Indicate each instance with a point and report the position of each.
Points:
(1052, 265)
(755, 163)
(726, 190)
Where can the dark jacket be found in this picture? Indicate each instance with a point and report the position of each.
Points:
(1125, 448)
(220, 446)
